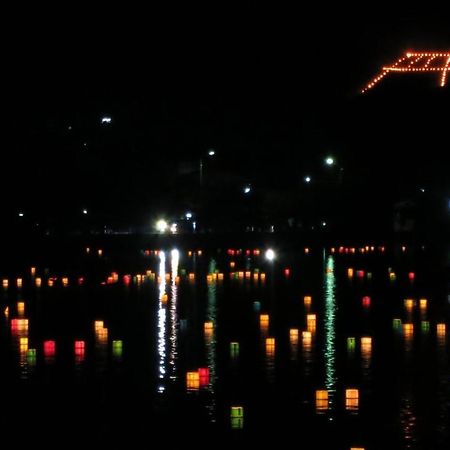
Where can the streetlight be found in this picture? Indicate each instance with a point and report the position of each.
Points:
(247, 189)
(329, 161)
(307, 179)
(211, 153)
(270, 255)
(161, 225)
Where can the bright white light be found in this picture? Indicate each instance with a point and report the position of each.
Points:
(161, 225)
(270, 255)
(188, 215)
(324, 224)
(21, 214)
(329, 161)
(307, 179)
(422, 190)
(85, 211)
(211, 152)
(106, 119)
(173, 228)
(247, 189)
(194, 226)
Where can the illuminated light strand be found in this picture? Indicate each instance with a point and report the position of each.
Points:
(416, 62)
(444, 73)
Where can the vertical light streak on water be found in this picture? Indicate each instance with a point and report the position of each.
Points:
(173, 333)
(330, 324)
(161, 323)
(211, 316)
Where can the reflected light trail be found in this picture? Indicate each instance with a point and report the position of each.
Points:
(162, 322)
(173, 336)
(330, 324)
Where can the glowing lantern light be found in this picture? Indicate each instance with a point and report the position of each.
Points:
(306, 338)
(351, 344)
(49, 349)
(5, 283)
(369, 275)
(6, 311)
(321, 401)
(33, 271)
(192, 381)
(199, 252)
(208, 327)
(425, 326)
(191, 276)
(350, 272)
(20, 308)
(360, 273)
(440, 329)
(366, 301)
(65, 281)
(293, 336)
(189, 253)
(98, 325)
(409, 303)
(392, 276)
(234, 349)
(351, 399)
(270, 346)
(307, 299)
(256, 306)
(287, 272)
(403, 248)
(100, 252)
(203, 373)
(423, 303)
(19, 282)
(23, 345)
(411, 276)
(50, 282)
(232, 264)
(306, 251)
(38, 282)
(117, 349)
(264, 321)
(248, 274)
(356, 448)
(311, 322)
(262, 277)
(79, 350)
(240, 275)
(408, 330)
(88, 250)
(80, 280)
(366, 345)
(31, 356)
(220, 276)
(333, 250)
(397, 324)
(237, 417)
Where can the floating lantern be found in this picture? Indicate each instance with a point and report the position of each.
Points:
(306, 338)
(262, 277)
(408, 330)
(351, 344)
(311, 322)
(425, 326)
(307, 300)
(19, 282)
(232, 264)
(366, 301)
(366, 345)
(191, 276)
(50, 282)
(33, 271)
(293, 336)
(351, 399)
(220, 276)
(440, 329)
(20, 309)
(256, 306)
(31, 356)
(411, 276)
(100, 252)
(65, 281)
(49, 349)
(234, 349)
(23, 345)
(392, 276)
(423, 303)
(199, 253)
(208, 327)
(248, 274)
(79, 349)
(403, 248)
(88, 250)
(409, 303)
(321, 401)
(203, 373)
(38, 282)
(189, 253)
(98, 325)
(237, 417)
(192, 381)
(356, 448)
(287, 272)
(369, 275)
(240, 275)
(6, 311)
(306, 251)
(270, 347)
(256, 252)
(397, 324)
(333, 250)
(360, 273)
(80, 281)
(5, 283)
(350, 272)
(117, 349)
(255, 276)
(264, 321)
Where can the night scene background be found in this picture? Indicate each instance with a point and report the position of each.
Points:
(210, 233)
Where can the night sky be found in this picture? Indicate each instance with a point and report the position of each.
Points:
(273, 89)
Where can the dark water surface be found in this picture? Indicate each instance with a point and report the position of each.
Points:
(70, 379)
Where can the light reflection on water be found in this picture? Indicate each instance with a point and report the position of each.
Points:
(268, 326)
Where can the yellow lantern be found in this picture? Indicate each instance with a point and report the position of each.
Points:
(350, 272)
(311, 322)
(33, 271)
(20, 309)
(264, 321)
(38, 281)
(193, 381)
(5, 283)
(321, 400)
(423, 303)
(440, 329)
(270, 346)
(351, 399)
(307, 299)
(293, 336)
(19, 282)
(408, 330)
